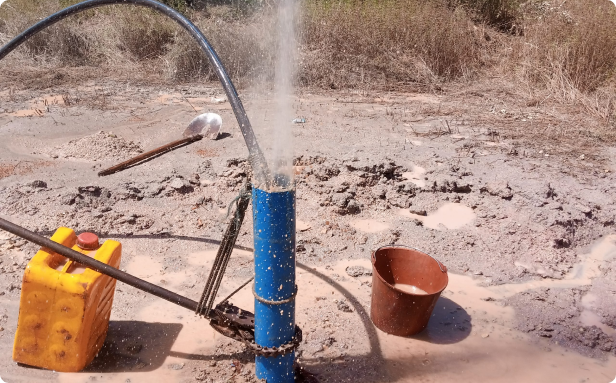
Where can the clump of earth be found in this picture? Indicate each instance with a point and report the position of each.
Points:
(97, 147)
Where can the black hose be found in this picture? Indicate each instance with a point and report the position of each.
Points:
(259, 165)
(101, 267)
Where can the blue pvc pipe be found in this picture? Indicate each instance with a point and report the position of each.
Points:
(274, 237)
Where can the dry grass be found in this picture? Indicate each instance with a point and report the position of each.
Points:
(365, 42)
(564, 53)
(245, 46)
(571, 49)
(66, 42)
(568, 55)
(504, 15)
(144, 35)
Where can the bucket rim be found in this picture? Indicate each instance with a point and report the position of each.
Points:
(439, 263)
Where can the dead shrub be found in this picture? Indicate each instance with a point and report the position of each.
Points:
(505, 15)
(570, 49)
(244, 47)
(353, 42)
(143, 34)
(66, 43)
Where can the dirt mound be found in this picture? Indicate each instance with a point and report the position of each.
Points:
(97, 147)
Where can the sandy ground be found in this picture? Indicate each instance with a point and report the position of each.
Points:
(526, 230)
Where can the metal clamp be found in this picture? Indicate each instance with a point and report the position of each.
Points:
(440, 265)
(268, 302)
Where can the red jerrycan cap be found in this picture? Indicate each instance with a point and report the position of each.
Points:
(87, 241)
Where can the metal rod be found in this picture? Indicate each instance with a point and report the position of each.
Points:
(147, 155)
(257, 159)
(224, 252)
(98, 266)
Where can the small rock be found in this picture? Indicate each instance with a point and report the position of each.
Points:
(340, 199)
(344, 306)
(201, 376)
(379, 191)
(194, 179)
(477, 273)
(300, 248)
(1, 328)
(358, 271)
(177, 183)
(176, 366)
(584, 209)
(39, 184)
(68, 199)
(328, 342)
(94, 191)
(560, 243)
(418, 212)
(353, 207)
(548, 191)
(485, 335)
(499, 189)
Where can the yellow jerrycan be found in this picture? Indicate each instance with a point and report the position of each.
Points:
(65, 307)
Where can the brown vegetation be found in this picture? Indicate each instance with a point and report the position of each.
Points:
(564, 52)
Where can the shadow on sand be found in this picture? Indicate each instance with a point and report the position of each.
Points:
(449, 324)
(135, 346)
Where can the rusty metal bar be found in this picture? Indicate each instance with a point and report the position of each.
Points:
(148, 155)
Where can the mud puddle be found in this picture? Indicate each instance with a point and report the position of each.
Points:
(417, 176)
(581, 274)
(450, 216)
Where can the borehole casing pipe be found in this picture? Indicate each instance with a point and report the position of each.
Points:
(274, 288)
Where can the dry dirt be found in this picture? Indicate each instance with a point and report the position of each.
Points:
(524, 223)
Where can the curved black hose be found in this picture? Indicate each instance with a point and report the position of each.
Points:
(257, 159)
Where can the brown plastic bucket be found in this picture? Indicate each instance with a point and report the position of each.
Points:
(399, 311)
